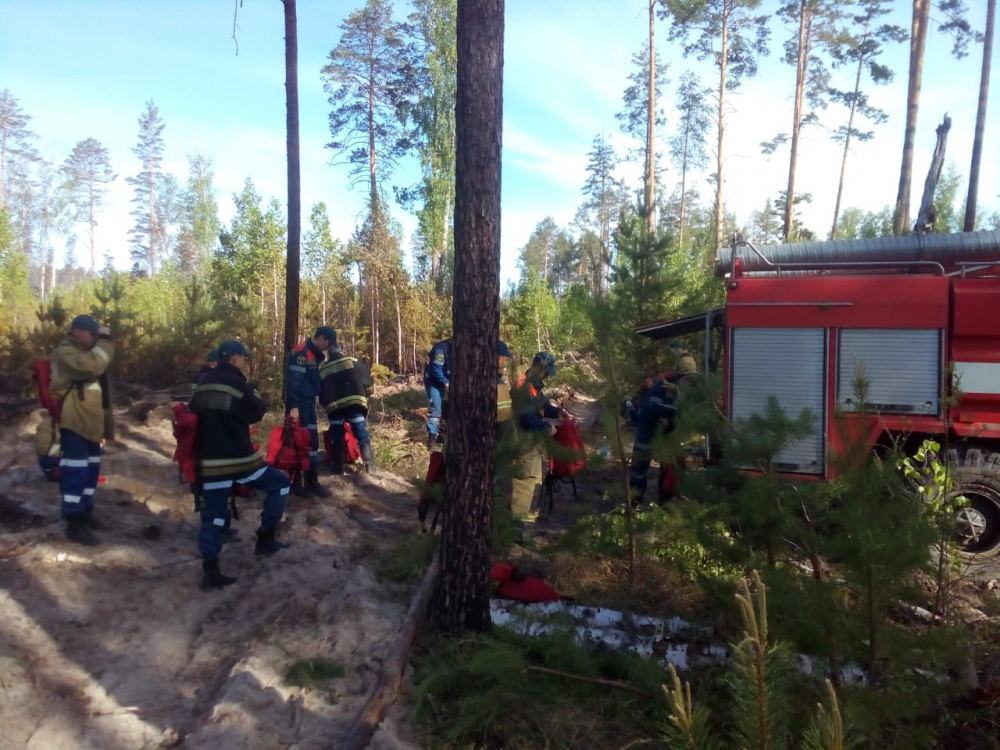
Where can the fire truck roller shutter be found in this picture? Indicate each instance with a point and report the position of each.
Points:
(788, 363)
(903, 368)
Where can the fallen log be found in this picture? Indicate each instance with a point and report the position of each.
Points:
(391, 676)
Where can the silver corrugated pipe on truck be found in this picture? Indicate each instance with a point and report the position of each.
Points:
(943, 251)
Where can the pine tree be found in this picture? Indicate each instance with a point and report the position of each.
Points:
(434, 117)
(861, 49)
(461, 598)
(199, 217)
(641, 116)
(727, 32)
(153, 194)
(370, 80)
(15, 137)
(687, 144)
(969, 223)
(86, 174)
(600, 208)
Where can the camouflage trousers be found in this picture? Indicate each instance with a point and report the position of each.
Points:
(526, 497)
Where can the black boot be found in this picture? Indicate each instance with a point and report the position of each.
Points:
(298, 488)
(313, 485)
(368, 457)
(94, 523)
(432, 441)
(213, 578)
(77, 531)
(266, 543)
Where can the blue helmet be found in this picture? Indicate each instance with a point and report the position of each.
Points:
(547, 361)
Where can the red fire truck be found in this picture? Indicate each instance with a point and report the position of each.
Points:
(918, 314)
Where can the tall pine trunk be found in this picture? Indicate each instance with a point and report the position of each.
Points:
(977, 143)
(801, 69)
(847, 137)
(292, 263)
(723, 71)
(462, 593)
(918, 40)
(650, 187)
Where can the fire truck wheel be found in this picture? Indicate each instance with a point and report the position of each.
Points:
(976, 476)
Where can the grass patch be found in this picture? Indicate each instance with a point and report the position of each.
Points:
(483, 692)
(407, 561)
(402, 402)
(307, 673)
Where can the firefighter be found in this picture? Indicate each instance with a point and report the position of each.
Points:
(302, 386)
(437, 374)
(211, 360)
(684, 364)
(504, 411)
(630, 408)
(226, 405)
(657, 412)
(78, 364)
(530, 410)
(346, 386)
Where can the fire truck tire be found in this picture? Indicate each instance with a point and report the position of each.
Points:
(976, 476)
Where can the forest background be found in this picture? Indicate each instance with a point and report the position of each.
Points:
(142, 150)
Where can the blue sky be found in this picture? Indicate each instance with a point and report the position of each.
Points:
(86, 69)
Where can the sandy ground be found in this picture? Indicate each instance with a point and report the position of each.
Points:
(116, 647)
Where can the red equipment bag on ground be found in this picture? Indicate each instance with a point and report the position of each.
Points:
(433, 489)
(568, 458)
(527, 587)
(289, 446)
(185, 430)
(352, 452)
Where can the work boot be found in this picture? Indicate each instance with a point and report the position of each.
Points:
(368, 457)
(313, 485)
(93, 523)
(77, 531)
(298, 488)
(213, 578)
(432, 441)
(267, 544)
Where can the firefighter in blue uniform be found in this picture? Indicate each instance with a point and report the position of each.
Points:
(302, 387)
(226, 405)
(437, 374)
(346, 385)
(656, 414)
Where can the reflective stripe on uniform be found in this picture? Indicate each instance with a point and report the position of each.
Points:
(94, 386)
(256, 475)
(285, 490)
(217, 485)
(219, 388)
(74, 463)
(74, 499)
(219, 521)
(296, 368)
(338, 365)
(352, 400)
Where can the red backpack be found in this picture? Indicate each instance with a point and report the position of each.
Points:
(185, 431)
(352, 452)
(41, 373)
(568, 458)
(289, 447)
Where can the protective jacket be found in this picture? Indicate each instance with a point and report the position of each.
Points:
(226, 405)
(303, 381)
(530, 405)
(346, 386)
(438, 368)
(75, 374)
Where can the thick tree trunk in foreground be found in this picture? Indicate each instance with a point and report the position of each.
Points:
(294, 193)
(462, 596)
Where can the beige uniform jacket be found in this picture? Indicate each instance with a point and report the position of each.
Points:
(74, 380)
